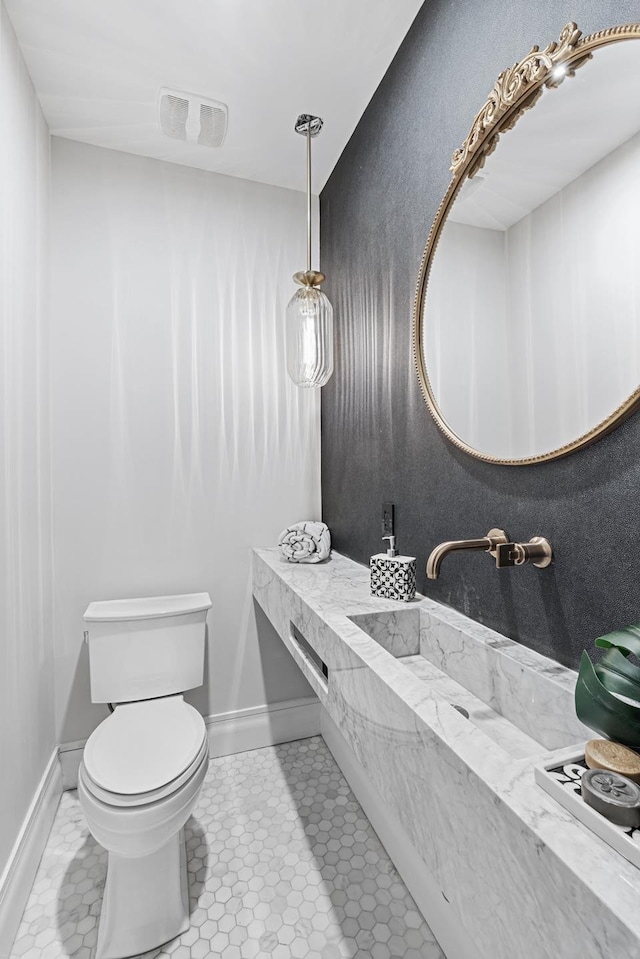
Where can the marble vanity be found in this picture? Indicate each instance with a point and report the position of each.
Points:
(498, 868)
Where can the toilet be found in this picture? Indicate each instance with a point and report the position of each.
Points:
(143, 767)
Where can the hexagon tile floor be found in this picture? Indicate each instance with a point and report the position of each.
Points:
(282, 862)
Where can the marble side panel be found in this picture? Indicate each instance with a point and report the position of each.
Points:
(524, 877)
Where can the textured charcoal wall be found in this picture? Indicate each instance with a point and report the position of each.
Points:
(378, 439)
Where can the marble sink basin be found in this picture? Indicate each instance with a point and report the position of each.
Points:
(500, 686)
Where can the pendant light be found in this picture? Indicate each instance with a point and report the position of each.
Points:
(309, 322)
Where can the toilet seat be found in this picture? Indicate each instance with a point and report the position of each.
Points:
(110, 798)
(168, 733)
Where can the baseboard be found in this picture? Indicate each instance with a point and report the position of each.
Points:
(70, 758)
(236, 731)
(17, 879)
(244, 729)
(443, 921)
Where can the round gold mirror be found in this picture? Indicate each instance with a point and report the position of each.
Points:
(527, 312)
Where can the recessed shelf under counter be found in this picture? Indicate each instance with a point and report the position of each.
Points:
(522, 876)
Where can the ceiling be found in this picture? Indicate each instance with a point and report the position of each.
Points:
(98, 67)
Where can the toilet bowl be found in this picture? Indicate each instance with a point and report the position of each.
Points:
(142, 770)
(146, 899)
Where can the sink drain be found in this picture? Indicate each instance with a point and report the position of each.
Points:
(461, 710)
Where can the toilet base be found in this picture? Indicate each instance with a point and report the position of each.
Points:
(146, 901)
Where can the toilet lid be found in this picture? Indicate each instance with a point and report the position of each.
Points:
(143, 746)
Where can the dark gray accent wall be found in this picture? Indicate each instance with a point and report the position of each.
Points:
(378, 440)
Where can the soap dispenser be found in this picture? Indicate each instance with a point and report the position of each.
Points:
(393, 576)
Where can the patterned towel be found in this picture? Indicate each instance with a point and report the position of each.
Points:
(305, 542)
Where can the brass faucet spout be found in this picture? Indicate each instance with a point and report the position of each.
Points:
(487, 544)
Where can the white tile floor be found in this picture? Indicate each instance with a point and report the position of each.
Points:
(283, 864)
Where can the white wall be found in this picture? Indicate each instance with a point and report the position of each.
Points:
(178, 441)
(466, 333)
(27, 734)
(575, 348)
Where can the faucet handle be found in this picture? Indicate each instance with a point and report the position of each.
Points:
(537, 551)
(508, 554)
(496, 537)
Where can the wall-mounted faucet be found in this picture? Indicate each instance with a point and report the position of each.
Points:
(537, 551)
(488, 544)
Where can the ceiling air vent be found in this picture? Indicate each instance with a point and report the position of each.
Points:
(192, 118)
(174, 111)
(213, 124)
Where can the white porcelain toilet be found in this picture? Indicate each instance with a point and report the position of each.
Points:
(144, 765)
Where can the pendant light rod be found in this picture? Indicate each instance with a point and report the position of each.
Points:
(308, 126)
(308, 197)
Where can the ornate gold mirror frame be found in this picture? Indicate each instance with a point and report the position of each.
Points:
(515, 91)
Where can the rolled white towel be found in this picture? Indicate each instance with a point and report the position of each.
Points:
(307, 542)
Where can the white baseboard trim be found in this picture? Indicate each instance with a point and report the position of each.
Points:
(443, 921)
(236, 731)
(17, 879)
(70, 756)
(244, 729)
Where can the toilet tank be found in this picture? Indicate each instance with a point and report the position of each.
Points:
(143, 648)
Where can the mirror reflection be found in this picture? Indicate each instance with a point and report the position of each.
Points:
(530, 327)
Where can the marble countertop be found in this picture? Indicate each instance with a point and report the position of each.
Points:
(338, 589)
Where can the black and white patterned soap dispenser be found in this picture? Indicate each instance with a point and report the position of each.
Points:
(393, 576)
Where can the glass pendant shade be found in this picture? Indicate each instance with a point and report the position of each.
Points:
(309, 337)
(309, 320)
